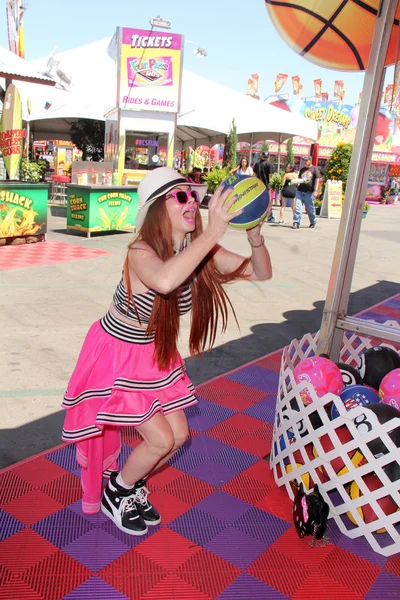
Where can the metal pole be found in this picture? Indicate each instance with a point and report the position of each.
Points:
(251, 148)
(349, 230)
(279, 153)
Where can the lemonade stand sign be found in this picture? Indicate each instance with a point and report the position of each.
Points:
(101, 208)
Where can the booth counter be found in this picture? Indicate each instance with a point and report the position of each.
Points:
(97, 208)
(23, 209)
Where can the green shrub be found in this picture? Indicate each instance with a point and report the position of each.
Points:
(32, 171)
(215, 177)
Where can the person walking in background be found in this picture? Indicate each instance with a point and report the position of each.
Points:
(243, 168)
(262, 170)
(305, 193)
(288, 191)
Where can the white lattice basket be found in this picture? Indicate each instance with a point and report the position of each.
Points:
(298, 454)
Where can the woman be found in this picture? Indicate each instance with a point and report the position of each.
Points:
(288, 191)
(243, 168)
(130, 371)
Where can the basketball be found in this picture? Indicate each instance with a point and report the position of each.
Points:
(306, 477)
(350, 374)
(253, 198)
(335, 34)
(355, 395)
(375, 363)
(322, 374)
(366, 512)
(338, 464)
(389, 390)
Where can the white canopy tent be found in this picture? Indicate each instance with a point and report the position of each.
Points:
(207, 108)
(14, 67)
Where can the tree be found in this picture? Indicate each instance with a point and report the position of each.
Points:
(88, 136)
(338, 165)
(264, 147)
(231, 147)
(289, 152)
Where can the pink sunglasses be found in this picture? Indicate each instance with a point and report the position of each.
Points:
(183, 197)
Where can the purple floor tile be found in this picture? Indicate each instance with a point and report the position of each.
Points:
(96, 589)
(263, 410)
(62, 527)
(187, 459)
(261, 525)
(64, 457)
(129, 540)
(358, 546)
(223, 506)
(205, 415)
(246, 587)
(203, 444)
(96, 549)
(213, 473)
(8, 525)
(257, 377)
(386, 586)
(95, 520)
(198, 526)
(237, 460)
(236, 547)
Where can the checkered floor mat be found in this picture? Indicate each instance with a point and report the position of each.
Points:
(43, 253)
(226, 532)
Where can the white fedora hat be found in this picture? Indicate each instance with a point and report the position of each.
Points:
(156, 184)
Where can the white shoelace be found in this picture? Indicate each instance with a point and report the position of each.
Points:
(128, 505)
(141, 496)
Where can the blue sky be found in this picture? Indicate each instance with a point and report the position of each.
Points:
(237, 34)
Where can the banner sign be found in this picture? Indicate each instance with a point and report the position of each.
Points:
(332, 201)
(280, 81)
(23, 210)
(11, 133)
(338, 90)
(252, 86)
(150, 70)
(101, 211)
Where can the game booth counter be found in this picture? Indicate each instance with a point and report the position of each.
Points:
(23, 206)
(338, 455)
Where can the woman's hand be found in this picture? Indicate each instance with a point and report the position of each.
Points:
(218, 215)
(254, 234)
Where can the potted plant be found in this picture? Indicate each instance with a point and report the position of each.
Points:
(366, 208)
(275, 183)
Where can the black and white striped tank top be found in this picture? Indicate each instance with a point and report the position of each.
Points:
(144, 302)
(144, 305)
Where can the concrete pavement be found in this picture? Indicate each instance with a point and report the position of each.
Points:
(47, 310)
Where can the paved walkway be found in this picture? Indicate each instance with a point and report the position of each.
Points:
(48, 307)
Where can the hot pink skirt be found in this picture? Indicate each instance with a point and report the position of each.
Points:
(117, 383)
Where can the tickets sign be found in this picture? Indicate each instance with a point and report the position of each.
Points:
(150, 70)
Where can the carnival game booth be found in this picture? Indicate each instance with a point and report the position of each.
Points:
(349, 448)
(23, 206)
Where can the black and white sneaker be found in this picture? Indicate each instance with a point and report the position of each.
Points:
(147, 511)
(120, 506)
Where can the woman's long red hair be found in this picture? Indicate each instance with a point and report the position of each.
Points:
(210, 302)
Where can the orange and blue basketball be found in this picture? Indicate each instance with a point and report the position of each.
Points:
(253, 198)
(336, 34)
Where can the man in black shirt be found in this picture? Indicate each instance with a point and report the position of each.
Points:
(305, 193)
(262, 170)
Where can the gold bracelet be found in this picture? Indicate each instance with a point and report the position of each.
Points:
(257, 245)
